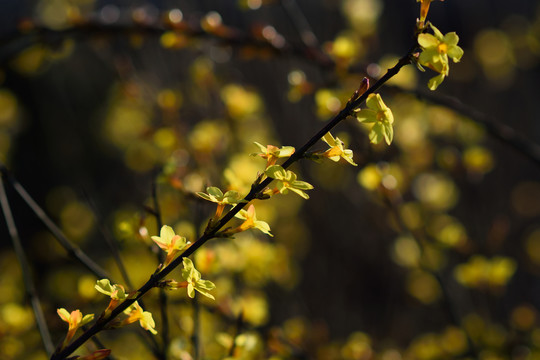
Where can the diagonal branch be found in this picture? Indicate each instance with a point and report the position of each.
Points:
(298, 20)
(25, 268)
(72, 249)
(498, 130)
(211, 232)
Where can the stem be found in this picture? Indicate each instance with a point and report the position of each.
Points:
(498, 130)
(105, 233)
(448, 301)
(299, 21)
(195, 337)
(25, 268)
(210, 233)
(72, 249)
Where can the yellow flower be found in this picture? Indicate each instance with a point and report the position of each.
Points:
(479, 271)
(75, 319)
(286, 180)
(250, 221)
(170, 242)
(115, 292)
(436, 49)
(336, 150)
(271, 153)
(215, 195)
(136, 313)
(194, 282)
(382, 117)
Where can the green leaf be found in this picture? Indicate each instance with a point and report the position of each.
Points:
(215, 192)
(205, 196)
(302, 185)
(275, 172)
(300, 192)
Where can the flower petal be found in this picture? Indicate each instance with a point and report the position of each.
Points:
(166, 234)
(366, 116)
(455, 52)
(427, 41)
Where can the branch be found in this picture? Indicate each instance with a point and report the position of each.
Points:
(18, 41)
(25, 268)
(299, 21)
(211, 233)
(72, 249)
(500, 131)
(105, 233)
(393, 202)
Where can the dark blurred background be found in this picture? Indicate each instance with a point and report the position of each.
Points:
(99, 99)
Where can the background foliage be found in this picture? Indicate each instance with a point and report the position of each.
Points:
(430, 249)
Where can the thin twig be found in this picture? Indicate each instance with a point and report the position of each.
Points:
(18, 41)
(195, 336)
(150, 341)
(299, 21)
(237, 329)
(211, 233)
(72, 249)
(392, 203)
(25, 269)
(113, 247)
(495, 128)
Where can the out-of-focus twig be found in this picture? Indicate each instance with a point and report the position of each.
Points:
(25, 269)
(495, 128)
(163, 300)
(71, 248)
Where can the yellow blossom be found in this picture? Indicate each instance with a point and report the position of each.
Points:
(136, 313)
(75, 319)
(194, 282)
(271, 153)
(436, 49)
(170, 242)
(250, 221)
(286, 180)
(378, 113)
(336, 150)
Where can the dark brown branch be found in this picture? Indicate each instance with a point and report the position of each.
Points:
(18, 41)
(211, 233)
(72, 249)
(498, 130)
(393, 202)
(25, 269)
(299, 21)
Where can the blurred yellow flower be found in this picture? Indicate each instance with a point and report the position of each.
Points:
(479, 271)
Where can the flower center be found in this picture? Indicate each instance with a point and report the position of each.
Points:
(380, 116)
(442, 48)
